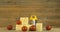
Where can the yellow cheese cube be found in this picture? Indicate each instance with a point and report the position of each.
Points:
(19, 27)
(24, 20)
(39, 26)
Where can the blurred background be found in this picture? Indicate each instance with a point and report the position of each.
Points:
(47, 11)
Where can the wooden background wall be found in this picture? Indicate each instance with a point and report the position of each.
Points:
(48, 11)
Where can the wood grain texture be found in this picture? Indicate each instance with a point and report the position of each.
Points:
(48, 11)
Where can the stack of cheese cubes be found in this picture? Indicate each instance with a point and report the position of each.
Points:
(24, 23)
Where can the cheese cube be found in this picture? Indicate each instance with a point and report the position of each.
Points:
(24, 20)
(19, 27)
(39, 26)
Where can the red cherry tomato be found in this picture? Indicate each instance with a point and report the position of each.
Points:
(32, 28)
(9, 27)
(48, 27)
(24, 28)
(18, 22)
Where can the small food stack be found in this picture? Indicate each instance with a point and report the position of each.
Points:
(23, 24)
(18, 25)
(39, 26)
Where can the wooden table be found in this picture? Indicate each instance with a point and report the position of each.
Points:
(53, 30)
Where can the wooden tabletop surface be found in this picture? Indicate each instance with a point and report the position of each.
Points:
(52, 30)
